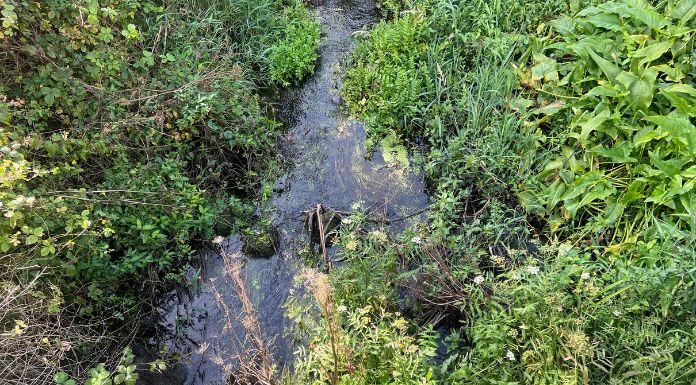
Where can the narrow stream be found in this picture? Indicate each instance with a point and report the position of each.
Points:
(330, 166)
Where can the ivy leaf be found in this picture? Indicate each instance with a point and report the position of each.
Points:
(62, 378)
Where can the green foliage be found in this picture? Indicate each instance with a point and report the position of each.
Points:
(384, 85)
(375, 349)
(592, 130)
(421, 54)
(295, 54)
(613, 104)
(574, 320)
(129, 132)
(125, 373)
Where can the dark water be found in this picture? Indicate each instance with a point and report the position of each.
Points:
(330, 166)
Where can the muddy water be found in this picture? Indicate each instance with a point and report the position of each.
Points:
(330, 166)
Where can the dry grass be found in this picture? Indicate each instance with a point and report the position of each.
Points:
(319, 286)
(252, 362)
(36, 343)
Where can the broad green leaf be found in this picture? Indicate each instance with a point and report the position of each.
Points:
(673, 73)
(617, 154)
(652, 52)
(582, 184)
(689, 173)
(644, 12)
(677, 127)
(555, 192)
(669, 167)
(530, 201)
(610, 70)
(661, 196)
(603, 90)
(599, 192)
(608, 21)
(613, 212)
(564, 26)
(646, 135)
(634, 191)
(682, 105)
(545, 68)
(681, 88)
(592, 124)
(641, 93)
(684, 11)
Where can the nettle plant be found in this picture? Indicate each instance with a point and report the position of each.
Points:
(614, 101)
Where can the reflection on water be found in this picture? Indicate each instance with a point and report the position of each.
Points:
(329, 166)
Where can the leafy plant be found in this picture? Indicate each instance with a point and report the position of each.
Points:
(372, 345)
(613, 101)
(295, 54)
(125, 373)
(130, 131)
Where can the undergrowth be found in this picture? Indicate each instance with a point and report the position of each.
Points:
(130, 131)
(560, 247)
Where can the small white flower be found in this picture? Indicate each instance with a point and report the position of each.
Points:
(617, 313)
(533, 269)
(585, 276)
(217, 240)
(416, 240)
(346, 221)
(479, 279)
(510, 355)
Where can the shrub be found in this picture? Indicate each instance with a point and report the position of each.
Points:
(367, 345)
(598, 106)
(573, 320)
(129, 132)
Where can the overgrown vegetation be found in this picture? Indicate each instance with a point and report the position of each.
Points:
(560, 246)
(560, 151)
(129, 130)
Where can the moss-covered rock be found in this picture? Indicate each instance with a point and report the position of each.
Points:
(260, 242)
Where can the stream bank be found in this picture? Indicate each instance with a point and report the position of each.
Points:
(330, 166)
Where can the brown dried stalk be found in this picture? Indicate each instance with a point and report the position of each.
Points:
(318, 284)
(256, 364)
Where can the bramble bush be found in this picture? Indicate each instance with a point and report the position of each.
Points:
(129, 131)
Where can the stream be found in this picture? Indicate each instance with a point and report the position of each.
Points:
(329, 166)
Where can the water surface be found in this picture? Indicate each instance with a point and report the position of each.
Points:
(329, 166)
